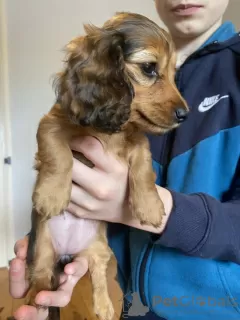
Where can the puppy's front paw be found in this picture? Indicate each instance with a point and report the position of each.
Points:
(103, 307)
(148, 209)
(51, 201)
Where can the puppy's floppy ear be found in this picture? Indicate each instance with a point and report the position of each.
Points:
(94, 87)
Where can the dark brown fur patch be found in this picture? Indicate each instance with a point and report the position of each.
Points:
(94, 88)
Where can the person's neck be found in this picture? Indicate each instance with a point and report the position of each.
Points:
(186, 46)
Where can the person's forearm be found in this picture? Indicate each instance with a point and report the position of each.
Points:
(200, 225)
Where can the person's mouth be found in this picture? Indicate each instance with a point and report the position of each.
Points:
(186, 9)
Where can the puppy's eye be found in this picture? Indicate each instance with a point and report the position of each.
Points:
(149, 69)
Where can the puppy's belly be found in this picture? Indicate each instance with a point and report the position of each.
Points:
(70, 234)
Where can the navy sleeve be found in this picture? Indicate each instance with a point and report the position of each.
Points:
(202, 226)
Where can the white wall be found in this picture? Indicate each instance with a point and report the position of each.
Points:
(232, 13)
(37, 31)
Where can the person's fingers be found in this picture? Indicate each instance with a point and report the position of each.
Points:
(86, 177)
(83, 199)
(18, 285)
(82, 213)
(94, 183)
(30, 313)
(62, 296)
(63, 278)
(76, 210)
(77, 268)
(20, 248)
(93, 150)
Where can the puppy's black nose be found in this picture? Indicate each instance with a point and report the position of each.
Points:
(181, 114)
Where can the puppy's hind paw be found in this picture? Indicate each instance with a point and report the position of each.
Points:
(104, 309)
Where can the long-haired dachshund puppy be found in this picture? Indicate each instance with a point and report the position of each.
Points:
(117, 85)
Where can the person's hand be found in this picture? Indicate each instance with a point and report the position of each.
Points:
(18, 286)
(98, 192)
(101, 192)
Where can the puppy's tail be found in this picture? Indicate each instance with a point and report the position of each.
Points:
(54, 312)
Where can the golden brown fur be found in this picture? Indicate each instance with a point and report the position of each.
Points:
(118, 84)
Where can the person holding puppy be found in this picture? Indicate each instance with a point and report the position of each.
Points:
(191, 266)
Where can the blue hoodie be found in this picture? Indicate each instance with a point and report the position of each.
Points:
(192, 270)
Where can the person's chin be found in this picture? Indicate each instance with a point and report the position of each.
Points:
(187, 30)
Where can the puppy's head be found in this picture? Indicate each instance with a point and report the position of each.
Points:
(122, 73)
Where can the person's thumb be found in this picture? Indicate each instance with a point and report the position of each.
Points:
(77, 268)
(18, 285)
(61, 297)
(20, 248)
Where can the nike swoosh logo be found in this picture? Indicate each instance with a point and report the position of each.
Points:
(203, 108)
